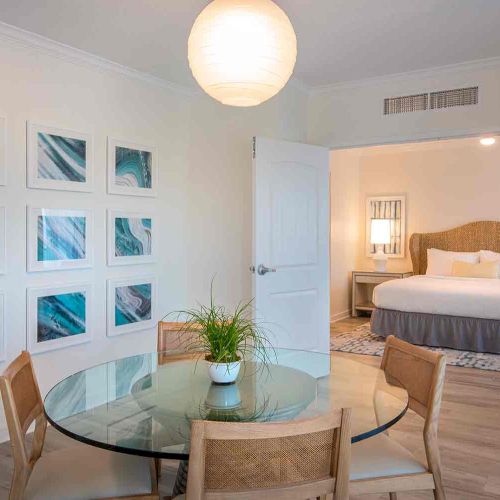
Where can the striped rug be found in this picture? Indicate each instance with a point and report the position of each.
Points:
(361, 340)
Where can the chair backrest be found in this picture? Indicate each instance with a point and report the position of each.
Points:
(23, 405)
(286, 460)
(172, 338)
(420, 371)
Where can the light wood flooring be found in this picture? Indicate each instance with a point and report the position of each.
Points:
(469, 435)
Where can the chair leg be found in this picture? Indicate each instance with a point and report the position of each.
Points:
(439, 491)
(393, 496)
(158, 467)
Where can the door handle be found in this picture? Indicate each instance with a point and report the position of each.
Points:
(262, 269)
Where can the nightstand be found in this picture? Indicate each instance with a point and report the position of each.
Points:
(363, 283)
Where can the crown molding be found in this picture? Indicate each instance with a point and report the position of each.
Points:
(479, 64)
(21, 38)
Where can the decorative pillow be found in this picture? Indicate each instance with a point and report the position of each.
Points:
(440, 262)
(488, 256)
(481, 270)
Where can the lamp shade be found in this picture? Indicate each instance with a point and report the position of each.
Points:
(380, 232)
(242, 52)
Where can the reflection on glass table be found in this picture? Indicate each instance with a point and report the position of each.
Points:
(139, 406)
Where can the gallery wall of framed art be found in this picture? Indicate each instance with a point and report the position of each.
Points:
(54, 210)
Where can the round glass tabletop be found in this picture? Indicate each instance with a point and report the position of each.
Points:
(144, 404)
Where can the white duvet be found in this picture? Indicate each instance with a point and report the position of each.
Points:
(469, 297)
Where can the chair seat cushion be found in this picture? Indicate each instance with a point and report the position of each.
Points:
(381, 456)
(82, 472)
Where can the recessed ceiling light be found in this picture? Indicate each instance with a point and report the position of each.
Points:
(487, 141)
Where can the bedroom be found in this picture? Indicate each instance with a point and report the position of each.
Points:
(437, 186)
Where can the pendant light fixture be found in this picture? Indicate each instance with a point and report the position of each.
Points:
(242, 52)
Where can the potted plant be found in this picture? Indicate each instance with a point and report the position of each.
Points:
(225, 337)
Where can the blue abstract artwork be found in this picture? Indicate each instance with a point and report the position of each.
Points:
(60, 238)
(61, 158)
(133, 168)
(61, 315)
(132, 236)
(132, 304)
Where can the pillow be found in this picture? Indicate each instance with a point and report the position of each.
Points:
(481, 270)
(488, 256)
(440, 262)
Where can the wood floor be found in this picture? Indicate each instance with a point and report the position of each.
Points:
(469, 435)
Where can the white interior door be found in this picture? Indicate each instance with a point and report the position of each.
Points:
(291, 233)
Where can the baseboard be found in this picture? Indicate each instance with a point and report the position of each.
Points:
(340, 316)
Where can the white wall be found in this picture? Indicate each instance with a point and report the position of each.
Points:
(447, 184)
(219, 204)
(344, 191)
(203, 205)
(352, 113)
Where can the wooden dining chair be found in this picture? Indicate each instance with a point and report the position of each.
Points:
(293, 460)
(381, 465)
(80, 472)
(171, 344)
(172, 340)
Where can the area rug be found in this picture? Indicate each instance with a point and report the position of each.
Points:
(361, 340)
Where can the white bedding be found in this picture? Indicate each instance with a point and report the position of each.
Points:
(469, 297)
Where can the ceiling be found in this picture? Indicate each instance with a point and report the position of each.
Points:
(338, 40)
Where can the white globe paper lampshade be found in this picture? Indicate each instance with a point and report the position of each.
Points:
(242, 52)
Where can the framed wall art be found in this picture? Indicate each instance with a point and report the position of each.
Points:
(59, 159)
(58, 316)
(131, 304)
(132, 168)
(59, 239)
(387, 207)
(131, 238)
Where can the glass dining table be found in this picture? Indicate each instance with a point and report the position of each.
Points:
(144, 404)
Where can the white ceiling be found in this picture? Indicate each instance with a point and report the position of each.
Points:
(339, 40)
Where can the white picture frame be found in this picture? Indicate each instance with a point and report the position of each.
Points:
(3, 150)
(3, 240)
(127, 184)
(398, 198)
(59, 238)
(126, 241)
(50, 164)
(44, 303)
(3, 350)
(141, 289)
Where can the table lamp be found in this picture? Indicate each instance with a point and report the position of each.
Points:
(380, 236)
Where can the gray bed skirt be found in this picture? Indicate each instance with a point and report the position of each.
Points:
(467, 334)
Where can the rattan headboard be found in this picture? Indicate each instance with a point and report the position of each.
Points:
(482, 235)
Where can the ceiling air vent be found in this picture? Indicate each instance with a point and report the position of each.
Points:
(455, 97)
(405, 104)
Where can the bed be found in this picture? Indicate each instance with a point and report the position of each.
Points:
(461, 313)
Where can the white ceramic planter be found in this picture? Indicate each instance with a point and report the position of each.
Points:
(223, 373)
